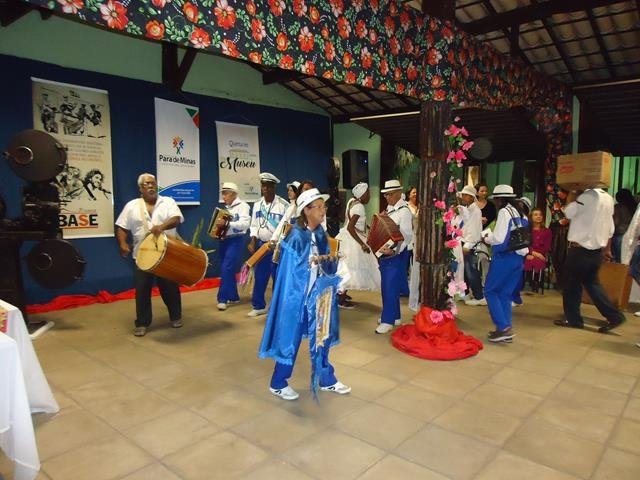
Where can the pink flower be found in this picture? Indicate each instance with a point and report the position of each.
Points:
(467, 145)
(439, 204)
(436, 316)
(452, 288)
(460, 156)
(453, 243)
(451, 187)
(449, 215)
(453, 308)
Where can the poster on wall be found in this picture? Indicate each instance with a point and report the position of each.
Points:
(178, 151)
(78, 117)
(239, 158)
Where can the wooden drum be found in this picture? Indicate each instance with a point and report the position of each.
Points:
(173, 259)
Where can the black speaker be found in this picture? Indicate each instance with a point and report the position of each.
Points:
(355, 167)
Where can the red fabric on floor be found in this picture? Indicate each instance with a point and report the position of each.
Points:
(435, 337)
(71, 301)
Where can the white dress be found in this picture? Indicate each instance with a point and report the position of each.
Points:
(362, 268)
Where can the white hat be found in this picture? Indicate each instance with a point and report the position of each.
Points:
(503, 191)
(268, 177)
(391, 186)
(359, 190)
(527, 202)
(468, 190)
(229, 186)
(295, 184)
(307, 197)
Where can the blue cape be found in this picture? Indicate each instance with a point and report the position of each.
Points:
(293, 312)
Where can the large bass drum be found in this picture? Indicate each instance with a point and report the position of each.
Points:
(55, 263)
(173, 259)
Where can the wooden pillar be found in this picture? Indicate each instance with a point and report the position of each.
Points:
(435, 117)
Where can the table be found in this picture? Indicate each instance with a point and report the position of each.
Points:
(38, 390)
(17, 438)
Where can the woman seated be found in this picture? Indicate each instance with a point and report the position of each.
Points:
(536, 259)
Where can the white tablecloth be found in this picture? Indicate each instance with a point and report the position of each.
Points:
(38, 391)
(17, 438)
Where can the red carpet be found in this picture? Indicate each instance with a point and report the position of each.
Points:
(71, 301)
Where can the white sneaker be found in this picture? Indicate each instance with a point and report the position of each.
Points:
(338, 387)
(384, 328)
(637, 314)
(475, 303)
(286, 393)
(222, 306)
(233, 302)
(257, 313)
(397, 322)
(514, 304)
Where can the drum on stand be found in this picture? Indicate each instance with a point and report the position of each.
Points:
(173, 259)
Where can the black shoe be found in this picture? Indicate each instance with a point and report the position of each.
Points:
(611, 325)
(505, 335)
(565, 323)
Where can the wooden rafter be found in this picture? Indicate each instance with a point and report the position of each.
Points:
(531, 13)
(174, 73)
(600, 40)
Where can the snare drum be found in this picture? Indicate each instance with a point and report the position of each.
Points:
(173, 259)
(219, 224)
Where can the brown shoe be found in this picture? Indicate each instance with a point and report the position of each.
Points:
(140, 331)
(176, 323)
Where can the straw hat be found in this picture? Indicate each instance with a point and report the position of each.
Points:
(391, 186)
(229, 186)
(468, 190)
(307, 197)
(503, 191)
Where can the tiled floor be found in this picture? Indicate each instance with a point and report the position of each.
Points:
(193, 403)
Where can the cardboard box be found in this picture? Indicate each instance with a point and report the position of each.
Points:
(584, 170)
(616, 281)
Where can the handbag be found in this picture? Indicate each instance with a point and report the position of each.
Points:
(519, 237)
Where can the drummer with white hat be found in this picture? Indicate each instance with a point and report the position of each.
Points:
(230, 246)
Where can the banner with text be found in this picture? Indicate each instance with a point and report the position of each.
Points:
(239, 159)
(79, 118)
(178, 151)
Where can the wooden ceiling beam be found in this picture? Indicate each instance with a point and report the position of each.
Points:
(600, 40)
(530, 13)
(443, 9)
(174, 73)
(12, 11)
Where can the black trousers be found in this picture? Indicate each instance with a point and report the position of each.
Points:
(169, 291)
(581, 270)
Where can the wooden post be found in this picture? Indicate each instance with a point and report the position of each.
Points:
(435, 117)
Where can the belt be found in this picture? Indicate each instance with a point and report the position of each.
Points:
(577, 245)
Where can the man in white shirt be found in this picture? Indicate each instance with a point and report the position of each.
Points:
(393, 262)
(471, 238)
(150, 214)
(265, 217)
(231, 244)
(589, 241)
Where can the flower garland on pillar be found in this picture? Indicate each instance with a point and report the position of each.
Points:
(459, 144)
(434, 334)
